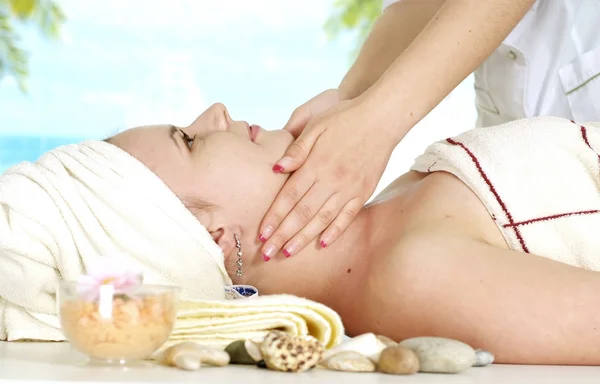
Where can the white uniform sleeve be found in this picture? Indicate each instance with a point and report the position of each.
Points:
(387, 3)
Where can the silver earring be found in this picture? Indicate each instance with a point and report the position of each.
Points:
(240, 263)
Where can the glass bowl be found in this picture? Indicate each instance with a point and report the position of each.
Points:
(112, 328)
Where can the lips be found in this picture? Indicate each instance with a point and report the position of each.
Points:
(254, 131)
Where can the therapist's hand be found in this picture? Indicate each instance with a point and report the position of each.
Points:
(338, 160)
(318, 104)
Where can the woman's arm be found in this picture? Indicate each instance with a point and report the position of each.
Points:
(524, 308)
(461, 35)
(335, 172)
(392, 33)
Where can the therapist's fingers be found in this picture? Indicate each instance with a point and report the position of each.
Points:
(315, 227)
(341, 222)
(298, 120)
(296, 154)
(301, 115)
(304, 210)
(290, 194)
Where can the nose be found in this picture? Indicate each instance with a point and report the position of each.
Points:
(222, 120)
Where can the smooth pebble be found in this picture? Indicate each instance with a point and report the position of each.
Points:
(440, 355)
(349, 361)
(366, 344)
(483, 358)
(191, 356)
(399, 361)
(244, 352)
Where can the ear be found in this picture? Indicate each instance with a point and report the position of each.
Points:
(224, 237)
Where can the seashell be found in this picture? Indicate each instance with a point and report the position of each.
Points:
(366, 344)
(282, 352)
(386, 341)
(191, 356)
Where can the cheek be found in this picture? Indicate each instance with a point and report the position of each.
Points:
(247, 191)
(240, 177)
(259, 183)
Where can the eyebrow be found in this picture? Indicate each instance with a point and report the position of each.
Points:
(172, 131)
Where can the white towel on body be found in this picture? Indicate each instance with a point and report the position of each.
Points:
(538, 178)
(81, 202)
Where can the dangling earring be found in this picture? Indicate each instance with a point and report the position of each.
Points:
(240, 263)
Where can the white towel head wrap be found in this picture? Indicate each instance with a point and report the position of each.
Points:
(84, 201)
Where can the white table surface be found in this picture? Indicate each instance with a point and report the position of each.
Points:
(58, 363)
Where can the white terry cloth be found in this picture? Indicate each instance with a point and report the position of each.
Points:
(538, 178)
(81, 202)
(218, 323)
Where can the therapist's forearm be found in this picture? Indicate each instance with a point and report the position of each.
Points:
(391, 34)
(461, 35)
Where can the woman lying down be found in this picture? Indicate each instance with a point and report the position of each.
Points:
(491, 238)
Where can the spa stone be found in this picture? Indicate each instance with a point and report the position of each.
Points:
(192, 356)
(483, 358)
(349, 361)
(440, 355)
(398, 360)
(244, 352)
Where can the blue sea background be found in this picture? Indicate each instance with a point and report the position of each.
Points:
(123, 64)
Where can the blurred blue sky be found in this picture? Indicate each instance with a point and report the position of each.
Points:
(124, 63)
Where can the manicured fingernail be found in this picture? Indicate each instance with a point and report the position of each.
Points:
(290, 249)
(325, 241)
(268, 252)
(264, 235)
(282, 164)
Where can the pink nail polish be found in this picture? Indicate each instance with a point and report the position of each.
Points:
(268, 252)
(277, 168)
(266, 232)
(323, 244)
(291, 249)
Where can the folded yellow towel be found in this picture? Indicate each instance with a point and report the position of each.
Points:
(218, 323)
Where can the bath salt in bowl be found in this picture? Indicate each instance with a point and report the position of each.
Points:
(112, 327)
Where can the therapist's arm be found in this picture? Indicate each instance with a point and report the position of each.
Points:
(459, 37)
(391, 34)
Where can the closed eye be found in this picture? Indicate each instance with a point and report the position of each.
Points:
(188, 140)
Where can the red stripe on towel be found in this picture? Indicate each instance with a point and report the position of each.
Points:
(585, 139)
(494, 192)
(548, 218)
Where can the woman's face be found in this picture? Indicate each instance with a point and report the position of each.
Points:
(223, 162)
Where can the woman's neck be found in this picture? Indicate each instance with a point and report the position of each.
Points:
(327, 275)
(336, 275)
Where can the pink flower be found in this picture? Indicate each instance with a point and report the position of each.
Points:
(124, 278)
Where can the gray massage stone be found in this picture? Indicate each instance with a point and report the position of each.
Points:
(483, 358)
(440, 355)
